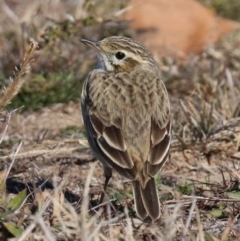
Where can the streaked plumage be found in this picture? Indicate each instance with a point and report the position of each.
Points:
(126, 113)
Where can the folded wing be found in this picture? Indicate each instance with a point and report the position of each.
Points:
(106, 142)
(160, 144)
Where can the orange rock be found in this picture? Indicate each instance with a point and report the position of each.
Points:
(177, 27)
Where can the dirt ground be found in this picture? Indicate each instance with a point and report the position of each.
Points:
(50, 149)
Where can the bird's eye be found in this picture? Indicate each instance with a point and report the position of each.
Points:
(120, 55)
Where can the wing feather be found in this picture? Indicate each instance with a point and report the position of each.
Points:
(120, 158)
(97, 124)
(157, 133)
(106, 142)
(160, 140)
(159, 151)
(152, 170)
(114, 138)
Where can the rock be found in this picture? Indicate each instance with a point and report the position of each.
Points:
(178, 27)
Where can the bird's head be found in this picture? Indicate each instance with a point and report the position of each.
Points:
(118, 54)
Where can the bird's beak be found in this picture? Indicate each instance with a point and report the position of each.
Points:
(93, 44)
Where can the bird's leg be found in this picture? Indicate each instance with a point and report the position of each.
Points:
(108, 175)
(104, 189)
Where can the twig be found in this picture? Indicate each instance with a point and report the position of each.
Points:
(126, 9)
(47, 233)
(14, 157)
(9, 12)
(102, 204)
(211, 198)
(189, 217)
(25, 234)
(200, 226)
(35, 153)
(84, 208)
(5, 129)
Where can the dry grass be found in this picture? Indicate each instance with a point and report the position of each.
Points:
(61, 62)
(50, 184)
(16, 84)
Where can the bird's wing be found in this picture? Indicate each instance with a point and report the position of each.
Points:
(160, 144)
(106, 142)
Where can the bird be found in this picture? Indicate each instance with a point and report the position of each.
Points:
(126, 113)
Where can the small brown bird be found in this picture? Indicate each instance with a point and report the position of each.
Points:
(126, 113)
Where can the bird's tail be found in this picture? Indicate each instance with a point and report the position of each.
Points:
(146, 200)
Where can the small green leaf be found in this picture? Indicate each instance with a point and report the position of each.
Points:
(3, 175)
(208, 237)
(3, 215)
(185, 189)
(218, 213)
(233, 195)
(13, 229)
(17, 201)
